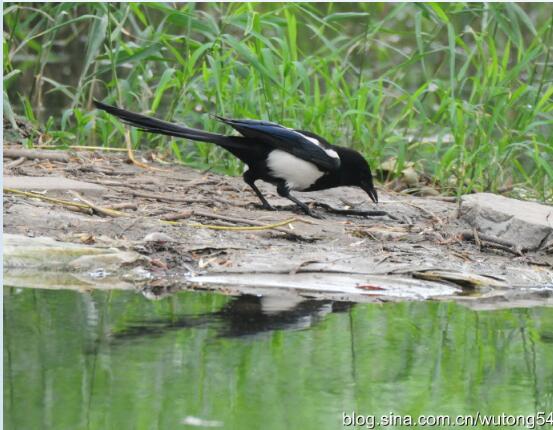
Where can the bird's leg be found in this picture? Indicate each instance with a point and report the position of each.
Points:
(250, 180)
(283, 191)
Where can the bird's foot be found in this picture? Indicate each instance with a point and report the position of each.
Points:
(268, 207)
(263, 206)
(312, 213)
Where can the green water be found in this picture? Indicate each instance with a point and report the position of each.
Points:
(115, 360)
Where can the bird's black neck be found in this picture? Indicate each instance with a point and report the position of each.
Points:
(348, 173)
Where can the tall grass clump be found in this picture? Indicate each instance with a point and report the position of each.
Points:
(463, 90)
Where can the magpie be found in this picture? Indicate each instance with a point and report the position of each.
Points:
(292, 160)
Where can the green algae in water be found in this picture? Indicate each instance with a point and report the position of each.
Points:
(115, 360)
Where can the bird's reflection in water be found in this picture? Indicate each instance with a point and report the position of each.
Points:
(243, 316)
(252, 315)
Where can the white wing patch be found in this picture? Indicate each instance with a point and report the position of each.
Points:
(298, 174)
(330, 152)
(312, 139)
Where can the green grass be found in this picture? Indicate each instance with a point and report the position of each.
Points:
(463, 90)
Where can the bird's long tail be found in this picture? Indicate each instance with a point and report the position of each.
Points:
(158, 126)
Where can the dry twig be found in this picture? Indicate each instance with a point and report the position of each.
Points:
(484, 240)
(83, 207)
(15, 163)
(130, 155)
(248, 228)
(86, 148)
(33, 154)
(425, 211)
(124, 205)
(98, 209)
(252, 225)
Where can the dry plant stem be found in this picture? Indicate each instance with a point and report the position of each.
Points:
(134, 161)
(83, 207)
(86, 207)
(178, 215)
(425, 211)
(477, 239)
(249, 228)
(302, 265)
(227, 218)
(227, 202)
(98, 209)
(86, 148)
(94, 169)
(449, 199)
(484, 240)
(256, 225)
(33, 154)
(170, 198)
(126, 205)
(200, 181)
(15, 163)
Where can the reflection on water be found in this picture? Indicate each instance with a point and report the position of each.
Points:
(244, 316)
(106, 360)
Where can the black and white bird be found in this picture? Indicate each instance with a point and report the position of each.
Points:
(293, 160)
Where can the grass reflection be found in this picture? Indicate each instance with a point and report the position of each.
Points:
(116, 360)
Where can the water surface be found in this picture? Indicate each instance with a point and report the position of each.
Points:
(116, 360)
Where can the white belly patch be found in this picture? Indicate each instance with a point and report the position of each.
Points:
(297, 173)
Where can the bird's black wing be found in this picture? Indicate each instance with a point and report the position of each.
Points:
(309, 148)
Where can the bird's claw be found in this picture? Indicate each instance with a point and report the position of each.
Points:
(262, 206)
(267, 207)
(314, 214)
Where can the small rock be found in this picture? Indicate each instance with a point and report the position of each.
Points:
(428, 192)
(410, 176)
(526, 225)
(111, 260)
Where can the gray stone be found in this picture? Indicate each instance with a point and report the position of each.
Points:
(46, 253)
(526, 225)
(51, 184)
(42, 262)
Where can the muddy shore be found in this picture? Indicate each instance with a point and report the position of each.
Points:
(200, 230)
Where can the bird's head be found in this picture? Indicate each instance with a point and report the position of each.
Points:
(356, 172)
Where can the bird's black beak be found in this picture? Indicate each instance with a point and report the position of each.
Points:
(371, 191)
